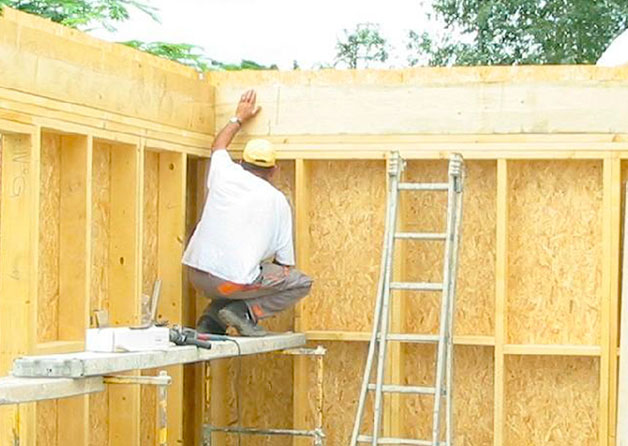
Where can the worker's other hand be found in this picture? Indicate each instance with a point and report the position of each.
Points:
(246, 107)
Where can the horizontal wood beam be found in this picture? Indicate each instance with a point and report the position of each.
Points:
(357, 336)
(553, 350)
(444, 107)
(23, 112)
(442, 138)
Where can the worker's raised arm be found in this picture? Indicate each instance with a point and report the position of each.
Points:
(246, 110)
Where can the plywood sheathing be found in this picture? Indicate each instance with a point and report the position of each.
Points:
(344, 365)
(552, 401)
(101, 211)
(555, 252)
(347, 202)
(475, 299)
(149, 275)
(193, 411)
(99, 296)
(284, 321)
(473, 394)
(261, 388)
(48, 293)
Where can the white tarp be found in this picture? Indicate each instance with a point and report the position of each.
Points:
(617, 53)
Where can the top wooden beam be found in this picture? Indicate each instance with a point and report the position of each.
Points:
(461, 100)
(56, 62)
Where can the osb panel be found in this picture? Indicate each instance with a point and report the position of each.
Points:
(48, 285)
(266, 400)
(472, 398)
(284, 321)
(258, 394)
(99, 299)
(426, 212)
(149, 275)
(284, 179)
(101, 212)
(192, 376)
(343, 369)
(99, 419)
(49, 208)
(554, 252)
(346, 225)
(551, 401)
(149, 232)
(46, 419)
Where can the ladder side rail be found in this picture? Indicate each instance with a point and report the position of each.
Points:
(383, 332)
(440, 369)
(376, 327)
(459, 208)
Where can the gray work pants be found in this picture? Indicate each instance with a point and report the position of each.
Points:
(275, 289)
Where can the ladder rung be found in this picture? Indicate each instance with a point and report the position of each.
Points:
(423, 186)
(416, 390)
(416, 286)
(418, 338)
(421, 235)
(398, 441)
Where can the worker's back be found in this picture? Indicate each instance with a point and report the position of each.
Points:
(245, 220)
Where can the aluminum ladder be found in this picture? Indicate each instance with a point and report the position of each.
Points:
(380, 335)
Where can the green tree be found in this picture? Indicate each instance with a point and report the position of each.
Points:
(184, 53)
(80, 13)
(506, 32)
(362, 46)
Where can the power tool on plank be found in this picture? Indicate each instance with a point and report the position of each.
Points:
(188, 336)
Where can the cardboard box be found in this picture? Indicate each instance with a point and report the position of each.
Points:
(125, 339)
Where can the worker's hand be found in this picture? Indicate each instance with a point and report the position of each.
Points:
(246, 107)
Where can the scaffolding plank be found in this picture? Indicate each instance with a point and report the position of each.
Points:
(84, 364)
(23, 390)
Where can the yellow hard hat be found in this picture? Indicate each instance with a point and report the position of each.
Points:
(259, 152)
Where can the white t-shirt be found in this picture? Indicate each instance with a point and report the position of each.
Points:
(245, 220)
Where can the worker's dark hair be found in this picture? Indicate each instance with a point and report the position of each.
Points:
(256, 169)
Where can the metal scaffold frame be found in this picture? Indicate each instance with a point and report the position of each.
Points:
(317, 434)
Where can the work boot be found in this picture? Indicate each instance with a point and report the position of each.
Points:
(237, 315)
(209, 322)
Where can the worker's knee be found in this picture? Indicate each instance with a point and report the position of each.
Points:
(306, 282)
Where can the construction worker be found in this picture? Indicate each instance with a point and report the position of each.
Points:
(241, 254)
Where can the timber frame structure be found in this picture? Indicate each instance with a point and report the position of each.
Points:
(104, 152)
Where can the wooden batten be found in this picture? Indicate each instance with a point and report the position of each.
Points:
(19, 231)
(125, 241)
(501, 300)
(302, 242)
(171, 236)
(74, 270)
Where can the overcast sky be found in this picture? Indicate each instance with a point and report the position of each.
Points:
(273, 31)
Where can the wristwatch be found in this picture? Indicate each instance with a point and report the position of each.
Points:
(235, 120)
